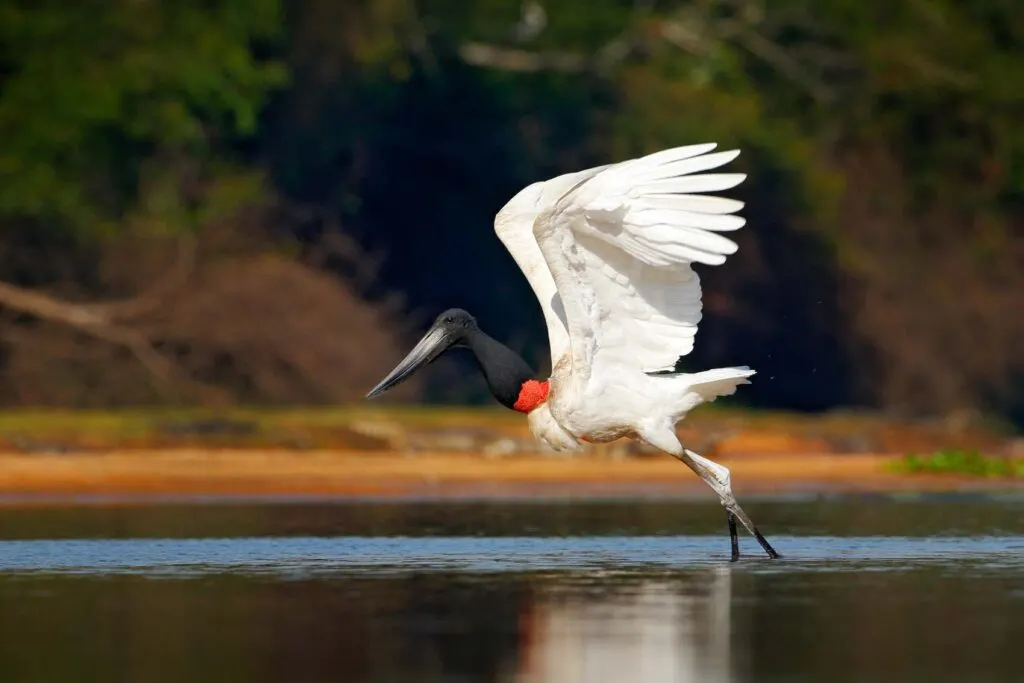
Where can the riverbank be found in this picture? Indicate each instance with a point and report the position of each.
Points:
(348, 453)
(239, 473)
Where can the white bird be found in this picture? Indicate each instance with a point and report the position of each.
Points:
(608, 252)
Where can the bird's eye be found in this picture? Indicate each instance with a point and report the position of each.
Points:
(449, 320)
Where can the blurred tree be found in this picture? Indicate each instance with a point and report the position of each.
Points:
(115, 108)
(118, 117)
(884, 260)
(885, 189)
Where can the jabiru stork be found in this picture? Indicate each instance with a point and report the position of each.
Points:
(608, 252)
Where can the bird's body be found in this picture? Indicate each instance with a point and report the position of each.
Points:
(608, 253)
(576, 414)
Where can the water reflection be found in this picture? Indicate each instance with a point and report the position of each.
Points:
(552, 594)
(656, 631)
(923, 624)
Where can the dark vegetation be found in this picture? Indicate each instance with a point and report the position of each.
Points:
(257, 202)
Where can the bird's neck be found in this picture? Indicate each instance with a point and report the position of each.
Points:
(508, 376)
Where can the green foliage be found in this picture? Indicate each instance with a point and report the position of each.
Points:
(872, 132)
(92, 91)
(951, 57)
(970, 463)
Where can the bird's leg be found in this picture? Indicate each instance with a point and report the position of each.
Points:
(718, 478)
(733, 536)
(714, 475)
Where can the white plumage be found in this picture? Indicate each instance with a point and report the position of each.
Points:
(608, 252)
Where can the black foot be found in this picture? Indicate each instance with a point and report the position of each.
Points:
(733, 536)
(766, 545)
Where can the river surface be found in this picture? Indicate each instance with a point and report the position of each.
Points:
(912, 589)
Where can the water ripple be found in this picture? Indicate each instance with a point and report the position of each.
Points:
(305, 556)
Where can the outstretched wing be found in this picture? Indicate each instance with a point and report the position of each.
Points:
(514, 227)
(619, 245)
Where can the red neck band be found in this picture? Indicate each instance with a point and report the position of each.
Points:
(531, 395)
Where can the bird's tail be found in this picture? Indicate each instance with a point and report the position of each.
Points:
(704, 387)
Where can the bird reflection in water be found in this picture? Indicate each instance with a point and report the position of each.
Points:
(654, 631)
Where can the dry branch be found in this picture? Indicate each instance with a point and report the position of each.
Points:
(693, 31)
(107, 321)
(515, 59)
(155, 295)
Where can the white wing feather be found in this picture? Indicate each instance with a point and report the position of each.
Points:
(514, 227)
(618, 245)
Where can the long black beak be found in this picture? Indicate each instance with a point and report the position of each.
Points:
(435, 342)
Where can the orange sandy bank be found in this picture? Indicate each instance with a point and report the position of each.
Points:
(187, 472)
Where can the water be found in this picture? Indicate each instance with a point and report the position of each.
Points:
(873, 589)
